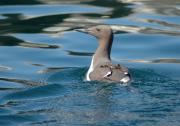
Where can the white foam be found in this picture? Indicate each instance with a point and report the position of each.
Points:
(125, 79)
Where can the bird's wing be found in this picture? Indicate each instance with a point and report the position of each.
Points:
(109, 72)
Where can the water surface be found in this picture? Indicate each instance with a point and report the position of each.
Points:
(43, 61)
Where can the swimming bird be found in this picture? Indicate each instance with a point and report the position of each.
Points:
(102, 68)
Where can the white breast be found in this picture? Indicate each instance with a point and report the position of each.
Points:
(91, 68)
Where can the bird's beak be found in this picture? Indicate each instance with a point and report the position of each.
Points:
(87, 31)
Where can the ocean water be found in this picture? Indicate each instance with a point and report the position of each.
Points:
(43, 62)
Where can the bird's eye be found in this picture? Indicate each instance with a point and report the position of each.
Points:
(98, 29)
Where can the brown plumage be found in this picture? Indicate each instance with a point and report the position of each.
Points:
(101, 68)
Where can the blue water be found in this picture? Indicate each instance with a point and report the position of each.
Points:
(43, 62)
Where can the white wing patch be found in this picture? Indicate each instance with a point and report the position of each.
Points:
(126, 73)
(107, 74)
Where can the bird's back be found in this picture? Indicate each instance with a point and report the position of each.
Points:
(109, 73)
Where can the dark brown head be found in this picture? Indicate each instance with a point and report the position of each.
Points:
(105, 36)
(100, 31)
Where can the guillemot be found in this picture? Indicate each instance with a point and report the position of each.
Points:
(101, 68)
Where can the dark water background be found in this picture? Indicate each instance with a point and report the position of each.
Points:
(43, 62)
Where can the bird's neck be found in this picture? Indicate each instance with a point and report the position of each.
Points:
(103, 52)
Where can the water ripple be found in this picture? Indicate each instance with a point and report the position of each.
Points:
(44, 10)
(43, 62)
